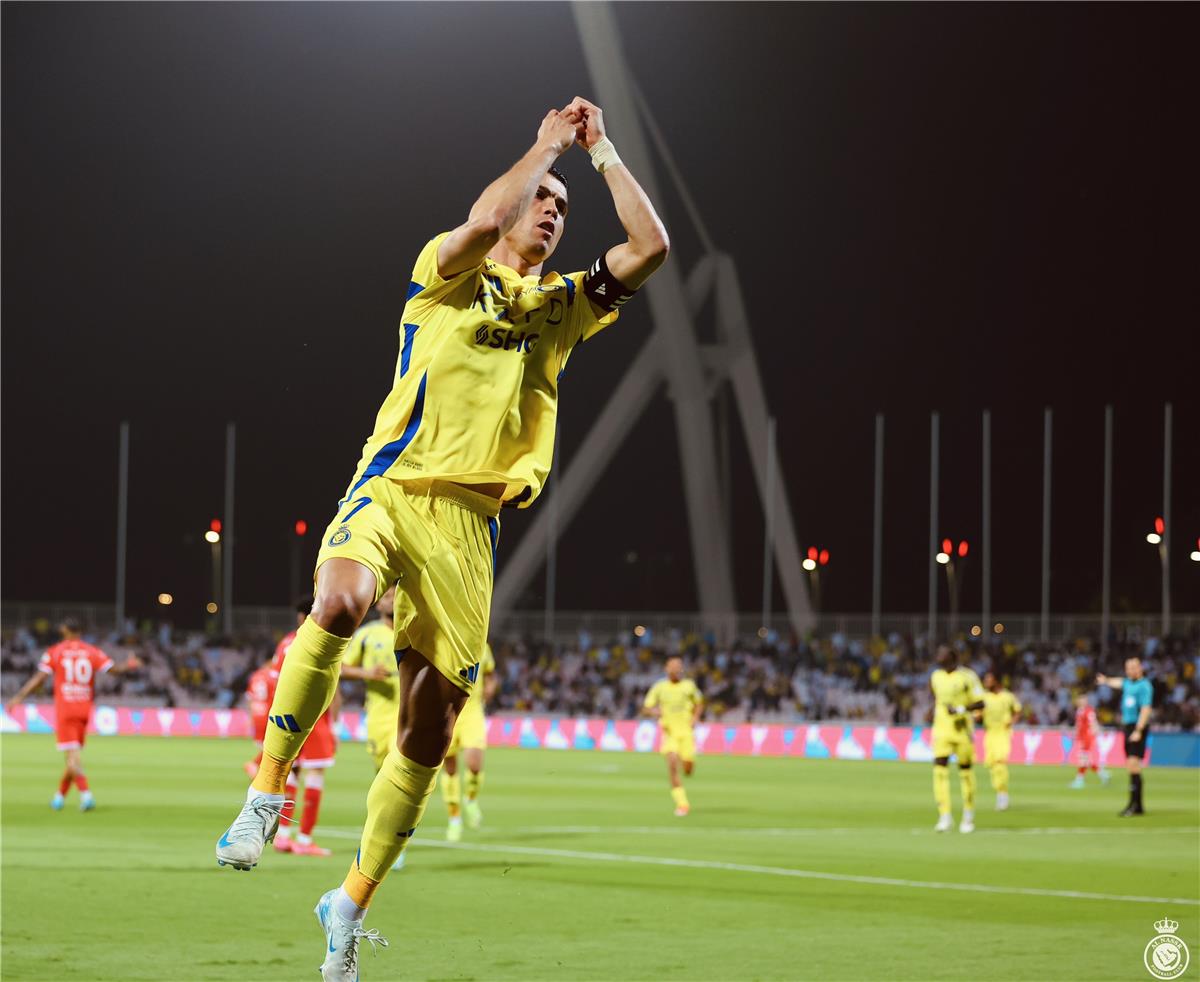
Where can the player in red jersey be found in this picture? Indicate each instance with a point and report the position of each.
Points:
(260, 690)
(1087, 745)
(315, 758)
(74, 665)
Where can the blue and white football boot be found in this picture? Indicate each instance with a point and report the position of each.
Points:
(342, 938)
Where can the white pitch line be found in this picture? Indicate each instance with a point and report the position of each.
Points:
(887, 881)
(797, 832)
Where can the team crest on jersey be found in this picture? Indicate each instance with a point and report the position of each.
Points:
(340, 537)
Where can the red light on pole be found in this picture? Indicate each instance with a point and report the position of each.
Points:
(962, 549)
(813, 553)
(215, 525)
(947, 547)
(823, 558)
(1159, 525)
(302, 527)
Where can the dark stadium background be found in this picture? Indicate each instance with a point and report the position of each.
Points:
(210, 212)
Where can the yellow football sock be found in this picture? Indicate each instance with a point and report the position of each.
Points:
(452, 793)
(473, 783)
(680, 797)
(358, 887)
(395, 805)
(941, 788)
(272, 775)
(306, 686)
(966, 780)
(1000, 777)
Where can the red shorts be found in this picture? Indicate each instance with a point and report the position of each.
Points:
(321, 746)
(1087, 747)
(260, 726)
(71, 731)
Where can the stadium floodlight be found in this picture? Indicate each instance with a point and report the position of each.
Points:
(943, 558)
(211, 536)
(211, 607)
(976, 630)
(1153, 538)
(301, 527)
(809, 564)
(166, 599)
(998, 628)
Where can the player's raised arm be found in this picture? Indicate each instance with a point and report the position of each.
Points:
(634, 261)
(35, 682)
(504, 200)
(1110, 681)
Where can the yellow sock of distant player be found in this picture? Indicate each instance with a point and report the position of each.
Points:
(1000, 777)
(680, 797)
(472, 785)
(306, 686)
(395, 805)
(452, 793)
(966, 780)
(941, 788)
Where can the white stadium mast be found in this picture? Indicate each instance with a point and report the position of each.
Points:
(693, 372)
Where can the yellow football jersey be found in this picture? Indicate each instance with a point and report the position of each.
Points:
(999, 709)
(374, 644)
(678, 701)
(475, 394)
(958, 688)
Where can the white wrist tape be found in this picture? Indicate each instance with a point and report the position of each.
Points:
(604, 155)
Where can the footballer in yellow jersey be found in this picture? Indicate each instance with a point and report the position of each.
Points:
(484, 338)
(676, 703)
(957, 694)
(371, 658)
(469, 738)
(1000, 710)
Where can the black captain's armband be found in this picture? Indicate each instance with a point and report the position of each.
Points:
(603, 289)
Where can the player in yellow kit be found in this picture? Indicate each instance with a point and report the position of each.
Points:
(485, 336)
(677, 704)
(956, 695)
(371, 658)
(469, 737)
(1000, 710)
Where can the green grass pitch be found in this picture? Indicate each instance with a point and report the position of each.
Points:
(786, 869)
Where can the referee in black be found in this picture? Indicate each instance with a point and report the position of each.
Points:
(1137, 699)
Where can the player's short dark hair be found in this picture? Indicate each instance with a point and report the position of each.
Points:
(554, 171)
(71, 625)
(304, 605)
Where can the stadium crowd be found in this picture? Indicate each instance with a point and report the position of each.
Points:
(776, 680)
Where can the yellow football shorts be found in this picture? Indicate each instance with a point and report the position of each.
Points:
(681, 742)
(381, 736)
(997, 747)
(470, 730)
(437, 542)
(953, 740)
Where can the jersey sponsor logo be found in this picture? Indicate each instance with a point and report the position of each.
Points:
(503, 338)
(470, 674)
(340, 537)
(286, 722)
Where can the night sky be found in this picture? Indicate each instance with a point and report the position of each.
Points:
(210, 213)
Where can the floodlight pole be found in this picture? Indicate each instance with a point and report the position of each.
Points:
(1047, 438)
(226, 599)
(122, 522)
